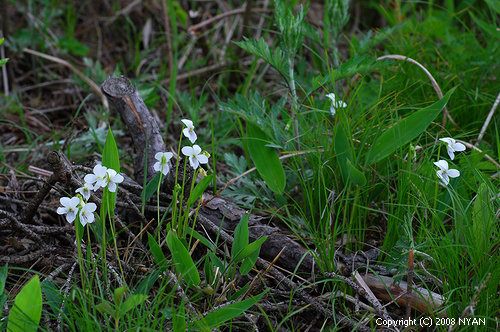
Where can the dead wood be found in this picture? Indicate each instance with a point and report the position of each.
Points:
(421, 299)
(142, 127)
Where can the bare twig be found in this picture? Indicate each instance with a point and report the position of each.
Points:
(431, 78)
(488, 119)
(65, 63)
(238, 11)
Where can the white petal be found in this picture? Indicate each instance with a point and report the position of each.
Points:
(447, 140)
(188, 123)
(65, 201)
(100, 170)
(157, 166)
(196, 149)
(331, 96)
(71, 216)
(194, 162)
(458, 147)
(202, 159)
(158, 156)
(61, 210)
(450, 153)
(165, 169)
(111, 172)
(90, 178)
(453, 173)
(118, 178)
(442, 164)
(192, 136)
(185, 131)
(445, 179)
(332, 110)
(187, 151)
(112, 187)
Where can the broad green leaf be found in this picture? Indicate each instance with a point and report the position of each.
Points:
(27, 310)
(131, 302)
(250, 249)
(199, 189)
(355, 175)
(158, 255)
(343, 150)
(52, 295)
(266, 159)
(249, 262)
(151, 187)
(148, 282)
(110, 159)
(483, 220)
(182, 260)
(110, 156)
(228, 312)
(405, 130)
(3, 61)
(118, 295)
(200, 237)
(240, 236)
(106, 308)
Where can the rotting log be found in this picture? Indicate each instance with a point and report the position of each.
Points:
(141, 125)
(421, 299)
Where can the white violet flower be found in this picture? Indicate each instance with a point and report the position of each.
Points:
(335, 103)
(162, 164)
(69, 208)
(453, 146)
(195, 156)
(87, 213)
(189, 130)
(85, 190)
(113, 178)
(444, 173)
(99, 178)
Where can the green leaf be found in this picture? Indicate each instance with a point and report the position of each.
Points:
(228, 312)
(150, 188)
(3, 274)
(200, 237)
(179, 319)
(249, 262)
(131, 302)
(199, 189)
(250, 249)
(262, 50)
(3, 278)
(110, 155)
(488, 28)
(343, 150)
(27, 310)
(182, 260)
(266, 159)
(483, 220)
(3, 61)
(240, 236)
(52, 295)
(118, 296)
(405, 130)
(106, 308)
(158, 255)
(110, 159)
(70, 44)
(356, 176)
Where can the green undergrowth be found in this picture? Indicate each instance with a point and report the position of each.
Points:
(349, 172)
